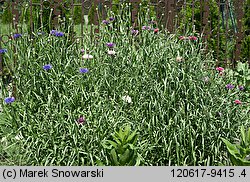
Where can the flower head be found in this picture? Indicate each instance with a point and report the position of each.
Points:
(220, 69)
(3, 51)
(81, 120)
(110, 52)
(182, 37)
(237, 101)
(82, 50)
(17, 35)
(111, 19)
(194, 38)
(110, 44)
(134, 32)
(241, 87)
(127, 99)
(59, 34)
(229, 86)
(146, 28)
(56, 33)
(9, 100)
(53, 32)
(47, 67)
(179, 59)
(106, 22)
(156, 30)
(87, 56)
(83, 70)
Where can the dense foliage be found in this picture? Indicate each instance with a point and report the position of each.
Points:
(165, 87)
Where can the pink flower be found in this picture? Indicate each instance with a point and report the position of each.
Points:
(81, 120)
(182, 37)
(192, 38)
(220, 69)
(237, 101)
(156, 30)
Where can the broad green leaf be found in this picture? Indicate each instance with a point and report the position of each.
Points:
(99, 163)
(104, 144)
(114, 157)
(232, 149)
(112, 143)
(117, 139)
(131, 137)
(125, 157)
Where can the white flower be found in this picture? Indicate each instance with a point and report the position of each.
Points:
(179, 59)
(110, 52)
(87, 56)
(127, 99)
(18, 137)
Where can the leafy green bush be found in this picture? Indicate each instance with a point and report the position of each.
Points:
(122, 148)
(240, 153)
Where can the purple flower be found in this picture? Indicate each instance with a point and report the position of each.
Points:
(82, 51)
(59, 34)
(110, 45)
(3, 51)
(9, 100)
(241, 87)
(229, 86)
(81, 120)
(111, 19)
(17, 35)
(47, 67)
(106, 22)
(146, 27)
(83, 70)
(53, 32)
(134, 32)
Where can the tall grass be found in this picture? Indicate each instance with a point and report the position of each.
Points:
(179, 115)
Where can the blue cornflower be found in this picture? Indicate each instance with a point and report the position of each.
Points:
(110, 45)
(111, 19)
(9, 100)
(47, 67)
(53, 32)
(83, 70)
(3, 51)
(229, 86)
(17, 35)
(59, 34)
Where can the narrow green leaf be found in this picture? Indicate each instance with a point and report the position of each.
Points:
(114, 157)
(243, 136)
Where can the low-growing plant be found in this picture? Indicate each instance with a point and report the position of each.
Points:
(122, 148)
(239, 153)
